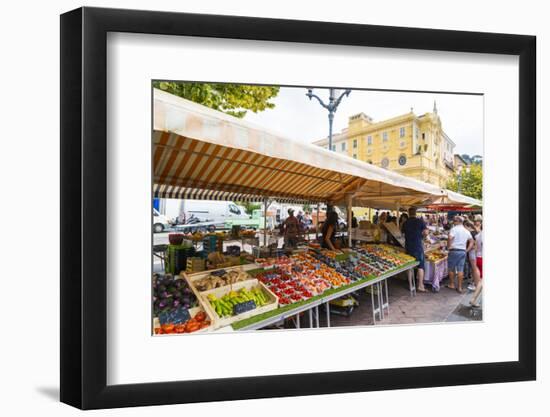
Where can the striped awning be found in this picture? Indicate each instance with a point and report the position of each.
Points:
(170, 191)
(189, 165)
(202, 153)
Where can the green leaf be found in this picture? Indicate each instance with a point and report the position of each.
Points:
(233, 99)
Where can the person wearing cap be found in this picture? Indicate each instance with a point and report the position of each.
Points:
(415, 230)
(459, 243)
(478, 221)
(291, 228)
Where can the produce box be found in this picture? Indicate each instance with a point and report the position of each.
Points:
(192, 314)
(195, 264)
(192, 278)
(176, 258)
(233, 260)
(272, 302)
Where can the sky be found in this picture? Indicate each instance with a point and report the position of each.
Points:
(296, 117)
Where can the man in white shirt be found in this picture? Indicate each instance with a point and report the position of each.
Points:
(459, 243)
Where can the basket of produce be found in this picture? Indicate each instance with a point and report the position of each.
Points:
(176, 238)
(239, 301)
(217, 278)
(233, 260)
(186, 321)
(171, 293)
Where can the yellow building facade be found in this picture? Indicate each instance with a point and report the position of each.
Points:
(412, 145)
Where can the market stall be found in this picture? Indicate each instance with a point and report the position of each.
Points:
(204, 154)
(435, 269)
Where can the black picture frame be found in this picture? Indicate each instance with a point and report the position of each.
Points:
(84, 207)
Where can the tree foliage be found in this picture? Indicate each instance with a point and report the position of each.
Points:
(233, 99)
(469, 182)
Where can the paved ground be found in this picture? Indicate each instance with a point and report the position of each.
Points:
(445, 306)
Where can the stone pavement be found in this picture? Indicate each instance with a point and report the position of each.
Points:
(445, 306)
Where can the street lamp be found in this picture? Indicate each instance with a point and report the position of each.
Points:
(332, 105)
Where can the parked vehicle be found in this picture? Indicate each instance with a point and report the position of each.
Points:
(160, 222)
(212, 211)
(256, 221)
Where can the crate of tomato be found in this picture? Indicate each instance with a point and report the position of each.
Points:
(194, 320)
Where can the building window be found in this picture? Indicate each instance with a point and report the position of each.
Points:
(401, 132)
(385, 162)
(423, 136)
(334, 147)
(402, 160)
(355, 143)
(343, 146)
(369, 151)
(385, 136)
(402, 144)
(369, 161)
(354, 156)
(369, 140)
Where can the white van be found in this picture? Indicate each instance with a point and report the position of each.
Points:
(213, 211)
(160, 221)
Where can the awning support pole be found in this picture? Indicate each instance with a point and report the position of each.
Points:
(265, 222)
(397, 217)
(348, 198)
(317, 225)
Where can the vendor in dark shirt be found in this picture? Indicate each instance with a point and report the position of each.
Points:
(415, 230)
(329, 232)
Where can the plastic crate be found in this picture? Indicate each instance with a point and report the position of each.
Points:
(176, 258)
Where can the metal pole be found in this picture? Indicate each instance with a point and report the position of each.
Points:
(372, 304)
(328, 313)
(265, 222)
(380, 301)
(330, 120)
(397, 217)
(317, 315)
(317, 225)
(348, 198)
(387, 296)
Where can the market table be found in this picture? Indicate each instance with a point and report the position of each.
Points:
(266, 319)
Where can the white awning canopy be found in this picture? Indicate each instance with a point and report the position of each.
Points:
(197, 148)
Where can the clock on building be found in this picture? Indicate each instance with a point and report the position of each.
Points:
(402, 160)
(385, 162)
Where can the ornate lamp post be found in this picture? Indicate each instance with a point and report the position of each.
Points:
(333, 103)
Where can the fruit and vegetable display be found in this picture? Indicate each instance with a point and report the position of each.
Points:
(170, 293)
(218, 260)
(300, 278)
(292, 288)
(283, 262)
(198, 322)
(237, 302)
(247, 234)
(379, 259)
(435, 256)
(220, 278)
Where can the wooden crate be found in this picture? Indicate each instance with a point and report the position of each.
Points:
(192, 277)
(192, 312)
(220, 292)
